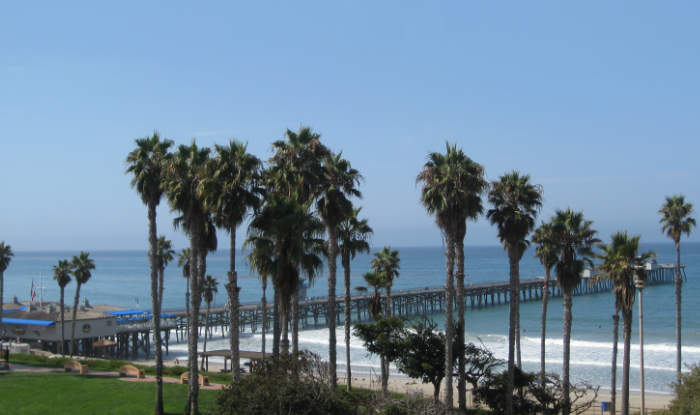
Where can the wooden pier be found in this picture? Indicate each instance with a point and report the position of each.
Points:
(133, 332)
(313, 312)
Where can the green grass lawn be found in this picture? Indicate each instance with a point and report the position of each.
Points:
(66, 393)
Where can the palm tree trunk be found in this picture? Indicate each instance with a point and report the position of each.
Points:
(152, 259)
(461, 326)
(566, 404)
(348, 371)
(187, 301)
(543, 335)
(232, 290)
(436, 393)
(513, 321)
(449, 318)
(518, 354)
(284, 326)
(75, 312)
(294, 316)
(276, 329)
(626, 334)
(63, 324)
(195, 299)
(613, 371)
(206, 329)
(332, 255)
(263, 301)
(679, 285)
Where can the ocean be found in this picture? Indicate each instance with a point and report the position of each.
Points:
(121, 278)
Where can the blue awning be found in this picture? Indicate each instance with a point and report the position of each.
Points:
(128, 312)
(25, 322)
(12, 310)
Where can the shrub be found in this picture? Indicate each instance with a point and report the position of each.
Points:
(687, 399)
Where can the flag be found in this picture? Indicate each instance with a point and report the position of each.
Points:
(32, 292)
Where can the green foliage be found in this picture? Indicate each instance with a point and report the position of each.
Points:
(383, 337)
(423, 355)
(687, 399)
(67, 393)
(288, 385)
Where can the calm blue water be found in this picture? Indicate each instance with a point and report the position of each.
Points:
(121, 278)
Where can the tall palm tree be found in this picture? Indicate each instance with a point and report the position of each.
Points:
(231, 191)
(575, 240)
(294, 233)
(209, 288)
(546, 252)
(353, 234)
(515, 202)
(261, 260)
(61, 273)
(165, 254)
(337, 184)
(386, 266)
(146, 163)
(676, 220)
(6, 255)
(82, 266)
(452, 189)
(620, 261)
(184, 192)
(183, 261)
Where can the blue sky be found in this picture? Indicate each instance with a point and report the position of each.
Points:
(598, 101)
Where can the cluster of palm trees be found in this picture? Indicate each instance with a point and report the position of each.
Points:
(302, 210)
(452, 190)
(80, 268)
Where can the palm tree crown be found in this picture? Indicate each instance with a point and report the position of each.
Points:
(676, 217)
(61, 272)
(452, 187)
(146, 163)
(210, 286)
(575, 240)
(6, 255)
(353, 234)
(82, 267)
(515, 202)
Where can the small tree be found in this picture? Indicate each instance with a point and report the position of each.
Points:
(209, 288)
(383, 338)
(687, 399)
(423, 355)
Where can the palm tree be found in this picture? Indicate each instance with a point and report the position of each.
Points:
(386, 266)
(546, 252)
(515, 202)
(338, 183)
(209, 288)
(146, 163)
(620, 261)
(294, 233)
(183, 261)
(377, 281)
(575, 240)
(231, 191)
(183, 188)
(6, 255)
(352, 239)
(452, 189)
(676, 220)
(61, 273)
(165, 254)
(261, 259)
(82, 266)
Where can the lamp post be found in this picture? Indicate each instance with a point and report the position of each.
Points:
(639, 282)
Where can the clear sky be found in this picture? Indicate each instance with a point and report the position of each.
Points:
(598, 101)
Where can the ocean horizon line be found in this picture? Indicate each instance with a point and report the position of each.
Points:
(226, 249)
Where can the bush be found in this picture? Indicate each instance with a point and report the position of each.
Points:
(285, 386)
(687, 399)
